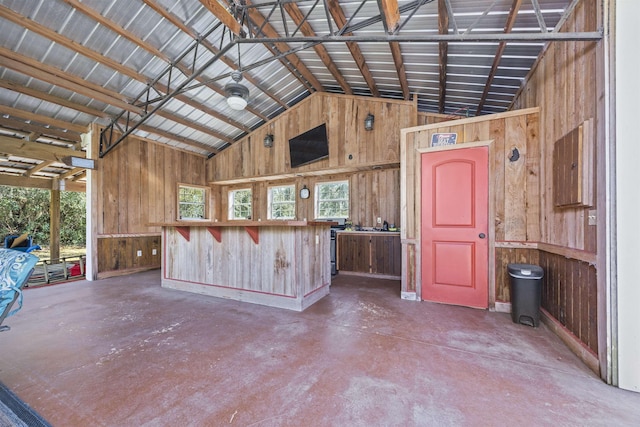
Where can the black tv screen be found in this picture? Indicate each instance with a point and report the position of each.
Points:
(309, 147)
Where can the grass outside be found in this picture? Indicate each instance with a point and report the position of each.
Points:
(65, 252)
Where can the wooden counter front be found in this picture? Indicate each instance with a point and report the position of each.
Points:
(280, 264)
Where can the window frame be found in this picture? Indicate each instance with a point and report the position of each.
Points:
(206, 201)
(270, 202)
(318, 201)
(231, 204)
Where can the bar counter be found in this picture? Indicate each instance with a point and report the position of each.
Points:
(283, 264)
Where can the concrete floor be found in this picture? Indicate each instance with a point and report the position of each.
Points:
(125, 352)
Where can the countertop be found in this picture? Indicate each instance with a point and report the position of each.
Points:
(242, 223)
(374, 232)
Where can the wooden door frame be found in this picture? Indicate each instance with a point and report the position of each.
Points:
(490, 215)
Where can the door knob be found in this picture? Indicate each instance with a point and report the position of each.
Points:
(482, 235)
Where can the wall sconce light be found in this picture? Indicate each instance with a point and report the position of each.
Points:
(268, 140)
(368, 122)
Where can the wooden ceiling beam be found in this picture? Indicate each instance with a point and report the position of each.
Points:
(80, 176)
(269, 31)
(391, 13)
(299, 19)
(228, 61)
(511, 19)
(154, 51)
(22, 181)
(193, 125)
(96, 16)
(399, 63)
(224, 16)
(52, 99)
(36, 150)
(46, 73)
(70, 173)
(36, 130)
(72, 45)
(443, 51)
(45, 120)
(341, 20)
(38, 167)
(173, 137)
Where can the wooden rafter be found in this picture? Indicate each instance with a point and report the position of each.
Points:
(341, 20)
(52, 75)
(70, 173)
(36, 150)
(35, 130)
(38, 167)
(70, 44)
(399, 63)
(391, 13)
(511, 19)
(46, 120)
(193, 125)
(154, 51)
(224, 16)
(52, 99)
(298, 17)
(228, 61)
(443, 50)
(97, 113)
(48, 33)
(96, 16)
(267, 29)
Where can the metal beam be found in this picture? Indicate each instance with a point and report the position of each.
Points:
(437, 38)
(443, 51)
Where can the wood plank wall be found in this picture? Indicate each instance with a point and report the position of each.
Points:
(351, 147)
(514, 185)
(567, 86)
(137, 184)
(564, 85)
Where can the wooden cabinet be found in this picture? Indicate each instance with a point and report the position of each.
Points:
(375, 253)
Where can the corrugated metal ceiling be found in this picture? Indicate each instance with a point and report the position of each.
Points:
(114, 49)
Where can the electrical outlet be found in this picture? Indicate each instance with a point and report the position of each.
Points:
(139, 253)
(154, 251)
(592, 217)
(379, 220)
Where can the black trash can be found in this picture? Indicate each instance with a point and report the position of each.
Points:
(526, 293)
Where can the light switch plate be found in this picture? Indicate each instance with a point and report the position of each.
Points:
(139, 253)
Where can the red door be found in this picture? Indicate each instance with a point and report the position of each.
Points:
(455, 248)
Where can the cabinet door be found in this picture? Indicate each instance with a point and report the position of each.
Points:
(354, 253)
(386, 255)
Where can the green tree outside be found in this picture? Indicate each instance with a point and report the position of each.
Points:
(26, 210)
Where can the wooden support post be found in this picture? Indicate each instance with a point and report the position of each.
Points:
(54, 222)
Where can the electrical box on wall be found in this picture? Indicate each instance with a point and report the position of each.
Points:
(573, 168)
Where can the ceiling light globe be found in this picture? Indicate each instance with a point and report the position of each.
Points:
(236, 102)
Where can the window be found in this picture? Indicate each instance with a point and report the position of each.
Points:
(192, 202)
(332, 199)
(240, 204)
(282, 202)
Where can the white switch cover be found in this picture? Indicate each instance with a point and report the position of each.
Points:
(317, 239)
(379, 220)
(154, 252)
(139, 253)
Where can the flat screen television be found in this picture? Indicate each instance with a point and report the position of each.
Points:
(309, 147)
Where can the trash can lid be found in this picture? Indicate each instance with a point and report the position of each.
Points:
(525, 271)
